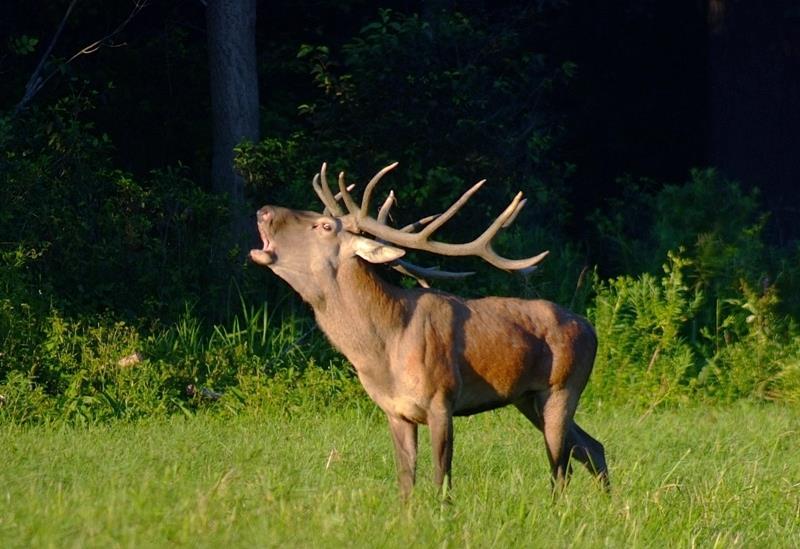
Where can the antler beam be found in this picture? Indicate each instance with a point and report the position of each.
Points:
(417, 235)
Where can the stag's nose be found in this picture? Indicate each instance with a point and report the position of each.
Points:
(264, 214)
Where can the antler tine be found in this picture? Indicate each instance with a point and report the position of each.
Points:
(383, 213)
(364, 211)
(406, 267)
(451, 211)
(514, 215)
(433, 272)
(346, 198)
(502, 220)
(417, 225)
(484, 241)
(421, 273)
(350, 187)
(324, 192)
(337, 197)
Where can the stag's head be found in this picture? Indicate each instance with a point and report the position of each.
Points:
(304, 247)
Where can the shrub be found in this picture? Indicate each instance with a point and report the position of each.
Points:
(105, 240)
(718, 224)
(657, 345)
(642, 325)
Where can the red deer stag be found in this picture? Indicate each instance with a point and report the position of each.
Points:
(425, 356)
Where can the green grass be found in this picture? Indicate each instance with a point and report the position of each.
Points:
(325, 478)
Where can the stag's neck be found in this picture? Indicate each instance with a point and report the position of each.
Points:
(361, 313)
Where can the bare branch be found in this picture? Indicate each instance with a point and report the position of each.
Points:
(37, 82)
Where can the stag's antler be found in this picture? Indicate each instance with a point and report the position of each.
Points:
(403, 266)
(417, 236)
(324, 193)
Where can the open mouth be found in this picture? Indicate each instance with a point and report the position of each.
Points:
(265, 255)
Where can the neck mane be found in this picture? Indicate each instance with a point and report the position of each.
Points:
(360, 312)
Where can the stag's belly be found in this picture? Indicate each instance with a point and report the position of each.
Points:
(499, 372)
(468, 409)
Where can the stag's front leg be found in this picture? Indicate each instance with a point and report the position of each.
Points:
(440, 423)
(404, 436)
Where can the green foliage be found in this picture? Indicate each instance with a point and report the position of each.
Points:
(104, 239)
(278, 171)
(100, 255)
(22, 44)
(450, 96)
(657, 345)
(84, 371)
(731, 330)
(71, 371)
(21, 305)
(712, 217)
(453, 98)
(642, 326)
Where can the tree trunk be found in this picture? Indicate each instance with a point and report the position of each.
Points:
(234, 99)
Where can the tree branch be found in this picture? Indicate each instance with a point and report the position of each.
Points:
(37, 82)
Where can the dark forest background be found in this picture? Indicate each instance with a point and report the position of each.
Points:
(657, 142)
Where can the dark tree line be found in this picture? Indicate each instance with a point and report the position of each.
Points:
(137, 137)
(578, 104)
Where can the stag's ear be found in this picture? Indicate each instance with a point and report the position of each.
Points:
(375, 252)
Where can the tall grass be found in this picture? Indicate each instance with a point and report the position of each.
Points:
(321, 477)
(89, 372)
(663, 341)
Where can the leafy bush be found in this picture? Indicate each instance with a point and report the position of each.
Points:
(88, 371)
(105, 240)
(657, 347)
(644, 350)
(22, 305)
(719, 224)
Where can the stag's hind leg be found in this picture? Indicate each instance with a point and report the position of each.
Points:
(557, 412)
(578, 443)
(588, 451)
(551, 412)
(440, 423)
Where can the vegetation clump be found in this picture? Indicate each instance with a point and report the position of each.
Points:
(107, 254)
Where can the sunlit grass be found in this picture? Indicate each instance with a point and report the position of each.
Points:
(321, 478)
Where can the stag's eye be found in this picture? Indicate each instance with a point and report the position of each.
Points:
(324, 225)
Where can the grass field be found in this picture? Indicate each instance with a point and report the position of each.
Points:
(325, 478)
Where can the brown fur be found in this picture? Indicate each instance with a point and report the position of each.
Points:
(424, 356)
